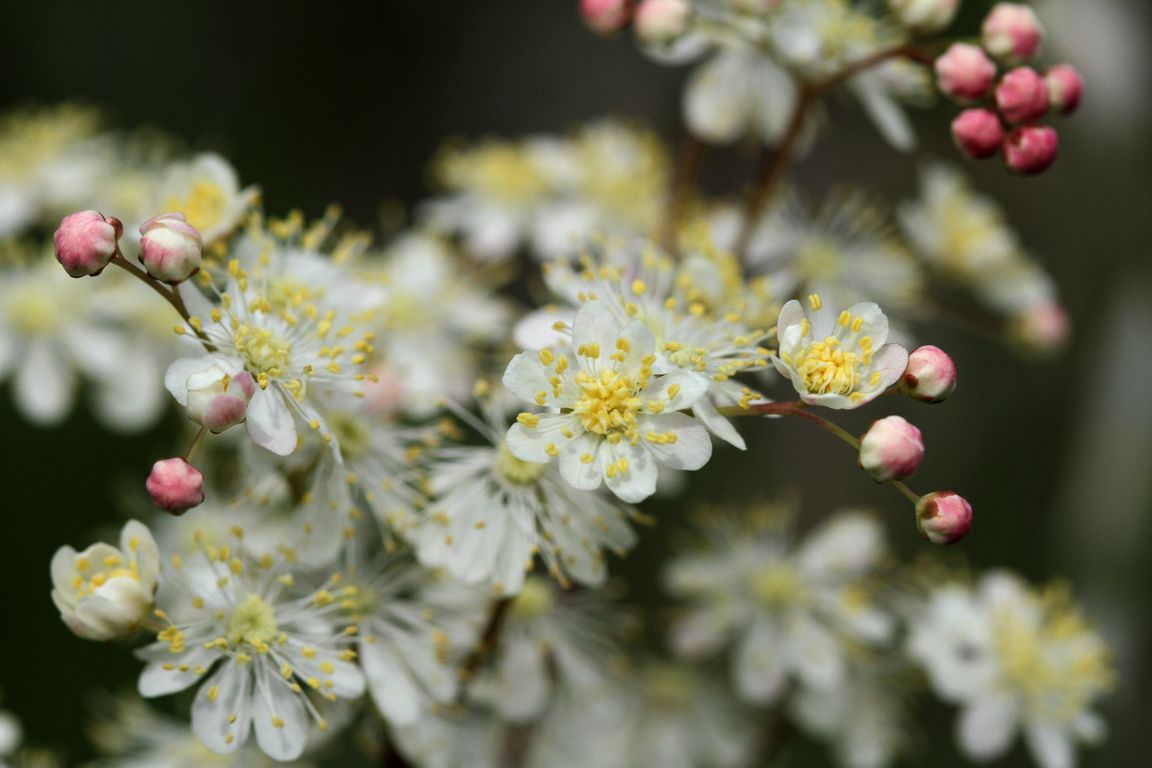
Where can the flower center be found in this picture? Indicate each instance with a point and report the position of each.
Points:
(819, 259)
(608, 403)
(33, 312)
(204, 206)
(536, 599)
(263, 351)
(351, 433)
(113, 567)
(253, 622)
(517, 471)
(776, 586)
(828, 369)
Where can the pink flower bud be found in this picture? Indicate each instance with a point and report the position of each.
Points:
(606, 16)
(943, 517)
(1022, 96)
(965, 73)
(930, 376)
(218, 398)
(1012, 33)
(170, 248)
(1043, 328)
(175, 486)
(1064, 88)
(660, 22)
(924, 16)
(86, 241)
(1031, 149)
(978, 133)
(891, 449)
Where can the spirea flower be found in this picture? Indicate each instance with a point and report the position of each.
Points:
(104, 592)
(839, 362)
(618, 419)
(1017, 660)
(492, 513)
(257, 643)
(206, 190)
(788, 615)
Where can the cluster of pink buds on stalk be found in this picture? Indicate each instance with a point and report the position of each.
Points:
(1004, 110)
(171, 251)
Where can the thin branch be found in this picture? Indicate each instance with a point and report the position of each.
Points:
(487, 643)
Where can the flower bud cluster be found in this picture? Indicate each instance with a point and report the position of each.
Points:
(1004, 110)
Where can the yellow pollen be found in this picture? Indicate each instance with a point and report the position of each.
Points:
(608, 403)
(828, 369)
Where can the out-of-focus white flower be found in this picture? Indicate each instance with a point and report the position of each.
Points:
(11, 736)
(433, 317)
(257, 642)
(791, 615)
(552, 644)
(739, 92)
(1017, 661)
(491, 513)
(206, 190)
(839, 361)
(104, 592)
(620, 419)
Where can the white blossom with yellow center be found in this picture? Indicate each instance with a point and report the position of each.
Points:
(104, 592)
(617, 419)
(206, 190)
(258, 643)
(788, 613)
(1017, 660)
(291, 348)
(837, 361)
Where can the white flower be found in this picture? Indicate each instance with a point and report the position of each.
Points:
(837, 361)
(790, 615)
(257, 643)
(491, 513)
(435, 316)
(552, 644)
(104, 592)
(205, 189)
(618, 419)
(11, 735)
(737, 93)
(1017, 661)
(294, 349)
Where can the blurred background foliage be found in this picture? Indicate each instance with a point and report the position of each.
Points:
(343, 102)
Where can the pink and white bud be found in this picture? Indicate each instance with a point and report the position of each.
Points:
(1065, 87)
(1012, 33)
(605, 17)
(1029, 150)
(943, 517)
(891, 449)
(86, 241)
(930, 376)
(965, 73)
(170, 248)
(218, 397)
(924, 17)
(978, 133)
(106, 592)
(175, 486)
(1022, 96)
(660, 22)
(1043, 328)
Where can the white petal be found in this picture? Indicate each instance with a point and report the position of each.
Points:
(526, 377)
(817, 654)
(1051, 745)
(536, 330)
(758, 664)
(847, 545)
(706, 412)
(273, 699)
(790, 327)
(223, 695)
(270, 423)
(689, 387)
(595, 325)
(580, 474)
(886, 114)
(392, 689)
(178, 373)
(639, 481)
(531, 444)
(692, 448)
(986, 727)
(44, 385)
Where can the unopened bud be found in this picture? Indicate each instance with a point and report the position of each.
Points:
(930, 376)
(943, 517)
(86, 241)
(1022, 96)
(1012, 33)
(892, 449)
(661, 22)
(924, 16)
(606, 16)
(175, 486)
(1043, 328)
(978, 133)
(170, 248)
(218, 396)
(1065, 88)
(965, 73)
(1029, 150)
(103, 592)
